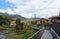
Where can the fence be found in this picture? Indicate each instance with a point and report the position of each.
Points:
(37, 35)
(54, 34)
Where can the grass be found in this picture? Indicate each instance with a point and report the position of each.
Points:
(25, 33)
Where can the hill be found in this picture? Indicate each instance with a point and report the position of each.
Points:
(13, 16)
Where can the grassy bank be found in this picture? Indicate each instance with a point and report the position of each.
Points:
(24, 34)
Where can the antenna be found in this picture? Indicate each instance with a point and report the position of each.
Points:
(35, 16)
(59, 13)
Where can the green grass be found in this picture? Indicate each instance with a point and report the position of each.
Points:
(8, 30)
(24, 34)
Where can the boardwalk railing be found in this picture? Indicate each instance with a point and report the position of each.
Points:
(37, 35)
(36, 27)
(54, 34)
(2, 35)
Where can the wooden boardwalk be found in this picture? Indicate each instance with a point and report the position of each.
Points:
(47, 35)
(44, 33)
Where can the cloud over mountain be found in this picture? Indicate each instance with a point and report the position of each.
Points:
(27, 8)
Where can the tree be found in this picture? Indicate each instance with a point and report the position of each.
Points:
(4, 20)
(19, 25)
(33, 22)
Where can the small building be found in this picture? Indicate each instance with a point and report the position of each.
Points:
(41, 20)
(13, 22)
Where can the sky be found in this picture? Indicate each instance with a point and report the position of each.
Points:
(27, 8)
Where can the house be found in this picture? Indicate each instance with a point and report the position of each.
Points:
(13, 22)
(55, 19)
(41, 20)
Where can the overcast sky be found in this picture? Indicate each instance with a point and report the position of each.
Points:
(27, 8)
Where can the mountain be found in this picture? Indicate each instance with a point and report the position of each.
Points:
(17, 16)
(14, 16)
(6, 14)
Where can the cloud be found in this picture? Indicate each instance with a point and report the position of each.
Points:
(1, 10)
(42, 8)
(8, 10)
(27, 15)
(16, 10)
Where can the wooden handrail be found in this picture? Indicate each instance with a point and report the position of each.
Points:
(37, 35)
(54, 34)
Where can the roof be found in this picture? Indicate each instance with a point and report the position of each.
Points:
(43, 19)
(54, 17)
